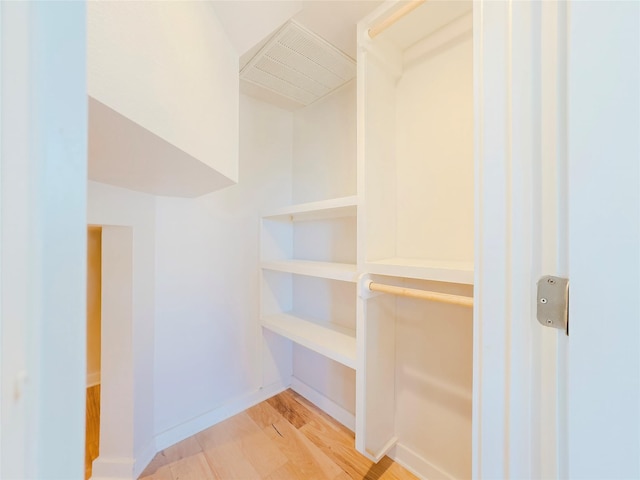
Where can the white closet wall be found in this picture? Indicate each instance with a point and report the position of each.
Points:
(434, 379)
(208, 341)
(435, 219)
(324, 147)
(434, 155)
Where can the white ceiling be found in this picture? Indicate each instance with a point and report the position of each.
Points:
(250, 22)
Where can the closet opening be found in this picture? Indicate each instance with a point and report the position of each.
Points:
(109, 418)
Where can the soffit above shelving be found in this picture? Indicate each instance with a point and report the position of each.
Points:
(125, 154)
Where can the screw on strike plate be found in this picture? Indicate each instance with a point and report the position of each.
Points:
(549, 321)
(551, 281)
(543, 300)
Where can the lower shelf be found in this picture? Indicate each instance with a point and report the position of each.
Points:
(334, 342)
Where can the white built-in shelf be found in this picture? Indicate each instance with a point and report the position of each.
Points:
(334, 342)
(436, 270)
(333, 208)
(345, 272)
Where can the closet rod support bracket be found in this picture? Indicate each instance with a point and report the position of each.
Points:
(364, 292)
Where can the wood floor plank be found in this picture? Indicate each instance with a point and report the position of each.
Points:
(194, 467)
(264, 415)
(316, 412)
(261, 452)
(228, 461)
(233, 429)
(287, 472)
(162, 473)
(92, 428)
(338, 446)
(283, 438)
(174, 453)
(342, 476)
(293, 411)
(309, 460)
(186, 448)
(387, 469)
(343, 439)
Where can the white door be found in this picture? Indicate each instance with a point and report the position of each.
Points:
(558, 155)
(603, 347)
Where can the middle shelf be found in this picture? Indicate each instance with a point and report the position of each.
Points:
(335, 342)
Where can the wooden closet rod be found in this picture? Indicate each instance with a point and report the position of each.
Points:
(421, 294)
(394, 17)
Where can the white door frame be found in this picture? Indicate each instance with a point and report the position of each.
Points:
(519, 162)
(43, 235)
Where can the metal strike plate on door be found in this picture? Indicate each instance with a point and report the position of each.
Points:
(553, 302)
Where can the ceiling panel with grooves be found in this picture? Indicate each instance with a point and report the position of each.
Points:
(299, 65)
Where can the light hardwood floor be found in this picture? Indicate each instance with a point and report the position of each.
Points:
(283, 438)
(92, 429)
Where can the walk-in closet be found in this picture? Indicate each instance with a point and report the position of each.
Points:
(382, 201)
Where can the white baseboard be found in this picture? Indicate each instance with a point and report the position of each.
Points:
(417, 464)
(403, 455)
(210, 418)
(112, 469)
(127, 469)
(144, 458)
(325, 404)
(93, 379)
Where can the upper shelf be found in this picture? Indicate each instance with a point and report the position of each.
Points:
(436, 270)
(423, 21)
(332, 208)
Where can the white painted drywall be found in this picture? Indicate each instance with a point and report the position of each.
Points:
(434, 378)
(324, 167)
(207, 338)
(43, 239)
(168, 67)
(434, 155)
(118, 207)
(324, 147)
(125, 154)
